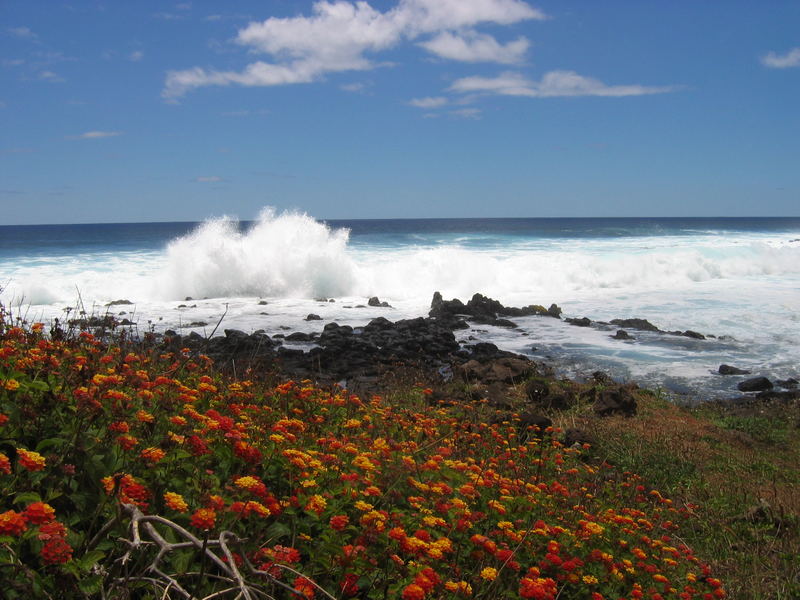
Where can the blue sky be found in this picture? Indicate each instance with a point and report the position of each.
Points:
(159, 111)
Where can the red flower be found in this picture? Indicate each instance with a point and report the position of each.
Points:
(53, 529)
(350, 584)
(56, 551)
(204, 518)
(339, 522)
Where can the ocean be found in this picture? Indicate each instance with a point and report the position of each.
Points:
(737, 279)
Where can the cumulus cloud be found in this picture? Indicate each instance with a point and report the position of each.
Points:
(339, 35)
(430, 102)
(472, 46)
(782, 61)
(552, 85)
(95, 135)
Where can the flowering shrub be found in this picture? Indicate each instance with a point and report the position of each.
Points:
(309, 492)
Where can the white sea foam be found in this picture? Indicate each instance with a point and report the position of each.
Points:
(286, 255)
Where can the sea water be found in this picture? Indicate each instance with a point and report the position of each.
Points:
(737, 279)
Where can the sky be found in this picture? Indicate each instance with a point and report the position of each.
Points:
(178, 111)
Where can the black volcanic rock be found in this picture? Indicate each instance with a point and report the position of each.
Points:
(729, 370)
(642, 324)
(756, 384)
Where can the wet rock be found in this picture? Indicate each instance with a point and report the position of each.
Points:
(375, 301)
(642, 324)
(755, 384)
(730, 370)
(692, 334)
(313, 317)
(622, 335)
(262, 302)
(582, 322)
(196, 324)
(119, 302)
(788, 384)
(299, 336)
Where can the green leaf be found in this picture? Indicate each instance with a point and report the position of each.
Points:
(279, 530)
(90, 559)
(48, 443)
(38, 385)
(91, 585)
(181, 561)
(27, 498)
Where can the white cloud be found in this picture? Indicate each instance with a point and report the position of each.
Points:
(50, 76)
(472, 46)
(12, 62)
(338, 35)
(778, 61)
(136, 56)
(22, 32)
(466, 113)
(355, 88)
(95, 135)
(430, 102)
(552, 85)
(209, 179)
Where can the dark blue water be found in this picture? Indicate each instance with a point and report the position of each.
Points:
(48, 240)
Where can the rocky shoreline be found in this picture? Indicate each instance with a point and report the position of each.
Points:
(360, 357)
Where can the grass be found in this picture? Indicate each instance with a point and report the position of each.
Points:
(738, 465)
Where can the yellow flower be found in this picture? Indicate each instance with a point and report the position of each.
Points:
(175, 502)
(489, 574)
(590, 579)
(11, 384)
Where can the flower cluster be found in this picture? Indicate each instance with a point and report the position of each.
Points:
(366, 497)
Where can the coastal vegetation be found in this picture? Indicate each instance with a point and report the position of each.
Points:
(129, 470)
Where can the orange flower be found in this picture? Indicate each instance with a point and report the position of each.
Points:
(304, 587)
(152, 455)
(5, 464)
(32, 461)
(12, 523)
(11, 384)
(413, 592)
(127, 442)
(40, 512)
(489, 574)
(204, 518)
(175, 502)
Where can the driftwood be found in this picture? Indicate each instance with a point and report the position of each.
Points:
(144, 535)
